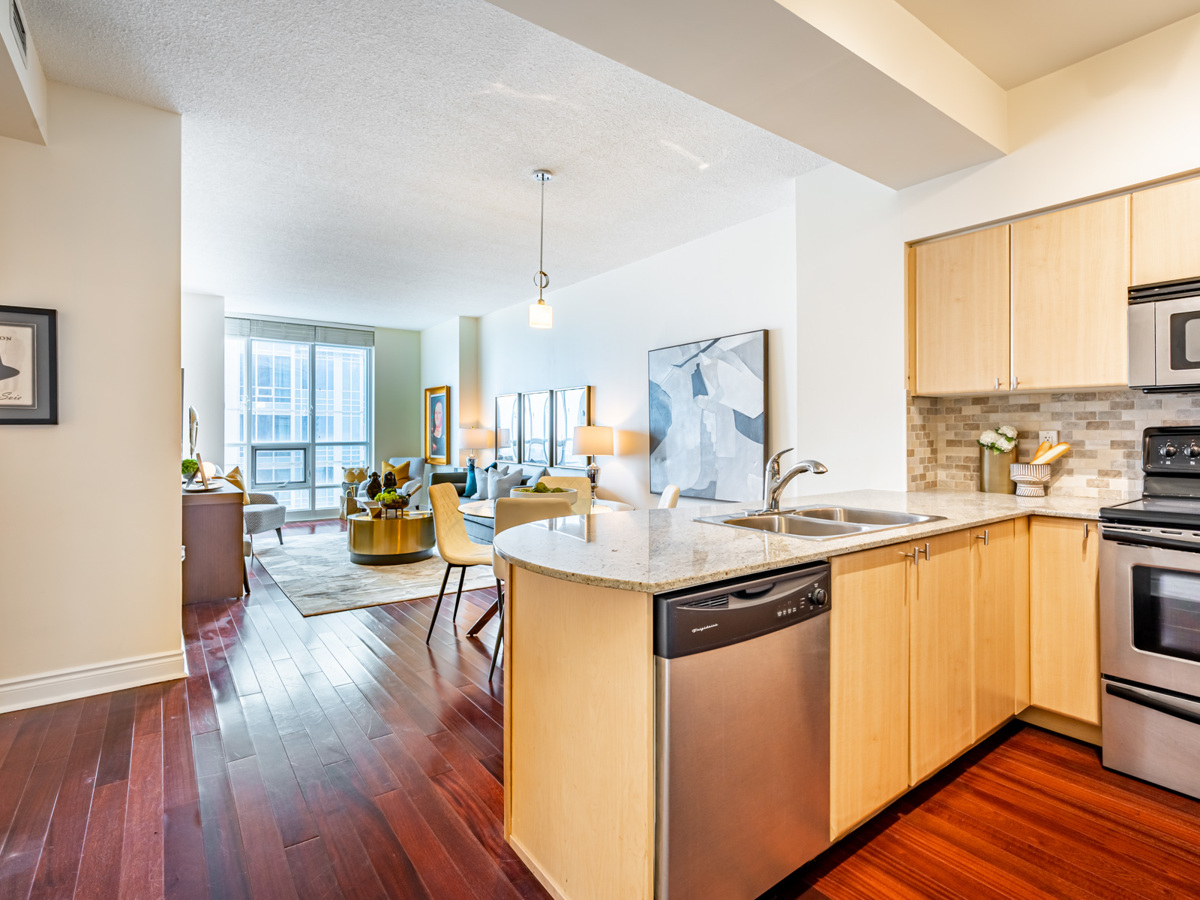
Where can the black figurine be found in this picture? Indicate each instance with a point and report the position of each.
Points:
(374, 488)
(389, 481)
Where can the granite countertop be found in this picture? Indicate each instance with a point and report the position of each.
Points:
(656, 550)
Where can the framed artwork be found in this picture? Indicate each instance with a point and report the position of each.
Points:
(708, 417)
(28, 366)
(572, 406)
(536, 413)
(437, 425)
(508, 428)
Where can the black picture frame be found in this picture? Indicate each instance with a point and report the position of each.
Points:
(28, 366)
(566, 401)
(537, 427)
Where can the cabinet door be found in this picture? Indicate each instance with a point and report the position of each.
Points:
(940, 669)
(868, 684)
(1070, 272)
(1166, 232)
(1064, 634)
(962, 327)
(997, 598)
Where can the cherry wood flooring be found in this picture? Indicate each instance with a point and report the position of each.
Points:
(338, 756)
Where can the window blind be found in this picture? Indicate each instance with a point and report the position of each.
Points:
(295, 331)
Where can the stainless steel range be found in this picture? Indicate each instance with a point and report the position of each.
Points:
(1150, 617)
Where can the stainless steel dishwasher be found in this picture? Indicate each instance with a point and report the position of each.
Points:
(742, 726)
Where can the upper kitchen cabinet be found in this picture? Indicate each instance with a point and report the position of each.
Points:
(1166, 233)
(1070, 280)
(961, 307)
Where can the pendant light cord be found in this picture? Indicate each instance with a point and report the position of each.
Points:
(542, 244)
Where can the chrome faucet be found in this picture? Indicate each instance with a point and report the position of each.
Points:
(774, 483)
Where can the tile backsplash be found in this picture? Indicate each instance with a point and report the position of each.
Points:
(1104, 428)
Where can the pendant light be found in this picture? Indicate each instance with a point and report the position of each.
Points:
(541, 315)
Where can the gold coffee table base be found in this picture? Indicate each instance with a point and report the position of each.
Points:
(389, 542)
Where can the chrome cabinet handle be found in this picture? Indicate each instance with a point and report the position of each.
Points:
(1015, 381)
(1087, 527)
(997, 382)
(914, 556)
(983, 537)
(925, 551)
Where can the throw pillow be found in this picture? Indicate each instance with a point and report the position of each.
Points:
(400, 471)
(355, 474)
(234, 477)
(482, 492)
(535, 477)
(472, 487)
(499, 486)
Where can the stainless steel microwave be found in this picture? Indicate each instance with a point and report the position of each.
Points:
(1164, 336)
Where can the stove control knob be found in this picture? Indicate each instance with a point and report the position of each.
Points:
(1192, 451)
(820, 597)
(1166, 451)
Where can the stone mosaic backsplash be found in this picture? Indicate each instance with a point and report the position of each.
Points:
(1104, 429)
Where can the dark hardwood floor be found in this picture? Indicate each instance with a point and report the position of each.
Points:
(338, 756)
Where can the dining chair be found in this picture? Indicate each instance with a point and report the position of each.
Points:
(453, 545)
(583, 487)
(670, 497)
(511, 512)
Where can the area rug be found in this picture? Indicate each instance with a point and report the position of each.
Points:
(315, 572)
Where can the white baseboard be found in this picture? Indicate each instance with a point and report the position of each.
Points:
(85, 681)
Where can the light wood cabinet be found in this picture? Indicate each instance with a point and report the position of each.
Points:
(961, 314)
(1064, 634)
(1070, 279)
(868, 684)
(1166, 232)
(1000, 587)
(940, 654)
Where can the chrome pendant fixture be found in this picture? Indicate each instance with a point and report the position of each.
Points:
(541, 315)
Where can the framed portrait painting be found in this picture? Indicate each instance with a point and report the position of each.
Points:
(28, 366)
(437, 425)
(536, 414)
(508, 427)
(572, 407)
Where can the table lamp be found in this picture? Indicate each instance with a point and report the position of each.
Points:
(472, 439)
(592, 441)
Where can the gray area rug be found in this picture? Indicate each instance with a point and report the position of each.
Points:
(315, 572)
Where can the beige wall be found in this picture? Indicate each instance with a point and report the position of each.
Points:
(397, 393)
(90, 523)
(449, 355)
(202, 348)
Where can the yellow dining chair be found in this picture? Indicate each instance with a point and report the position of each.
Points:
(511, 512)
(670, 497)
(583, 499)
(453, 545)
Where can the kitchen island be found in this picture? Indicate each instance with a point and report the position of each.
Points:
(580, 699)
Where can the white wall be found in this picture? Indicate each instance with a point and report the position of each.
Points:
(397, 358)
(90, 531)
(202, 352)
(449, 356)
(739, 279)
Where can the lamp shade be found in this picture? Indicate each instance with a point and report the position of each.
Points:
(594, 440)
(541, 315)
(474, 438)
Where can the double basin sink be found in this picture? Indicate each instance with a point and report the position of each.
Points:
(821, 523)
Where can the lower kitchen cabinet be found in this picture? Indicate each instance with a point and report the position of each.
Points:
(1064, 634)
(1001, 601)
(940, 640)
(868, 684)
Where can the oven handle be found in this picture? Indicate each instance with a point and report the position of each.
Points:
(1125, 537)
(1153, 703)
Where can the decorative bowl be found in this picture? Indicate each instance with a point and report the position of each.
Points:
(1030, 479)
(568, 494)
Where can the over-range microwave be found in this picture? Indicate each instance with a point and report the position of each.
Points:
(1164, 336)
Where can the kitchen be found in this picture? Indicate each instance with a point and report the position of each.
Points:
(949, 611)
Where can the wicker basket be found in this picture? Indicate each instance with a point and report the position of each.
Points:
(1030, 479)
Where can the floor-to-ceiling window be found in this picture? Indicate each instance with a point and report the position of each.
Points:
(297, 407)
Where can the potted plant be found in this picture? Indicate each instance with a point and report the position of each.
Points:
(393, 499)
(189, 468)
(997, 451)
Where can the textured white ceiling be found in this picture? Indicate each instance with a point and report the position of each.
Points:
(1016, 41)
(372, 162)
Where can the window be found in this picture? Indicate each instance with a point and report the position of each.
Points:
(297, 408)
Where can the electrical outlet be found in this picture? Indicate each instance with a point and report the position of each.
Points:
(1051, 436)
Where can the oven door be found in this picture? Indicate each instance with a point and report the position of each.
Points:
(1150, 615)
(1177, 341)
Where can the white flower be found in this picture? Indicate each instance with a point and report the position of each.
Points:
(988, 438)
(1008, 431)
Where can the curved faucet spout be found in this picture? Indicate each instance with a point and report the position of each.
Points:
(774, 483)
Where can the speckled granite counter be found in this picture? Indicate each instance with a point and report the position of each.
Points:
(655, 550)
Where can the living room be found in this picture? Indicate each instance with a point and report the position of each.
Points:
(171, 193)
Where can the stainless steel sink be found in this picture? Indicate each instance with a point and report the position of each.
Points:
(881, 517)
(821, 523)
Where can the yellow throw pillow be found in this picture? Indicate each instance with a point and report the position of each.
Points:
(234, 477)
(355, 474)
(401, 471)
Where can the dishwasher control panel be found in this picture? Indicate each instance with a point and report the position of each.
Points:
(712, 616)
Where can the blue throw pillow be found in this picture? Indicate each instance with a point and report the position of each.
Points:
(471, 487)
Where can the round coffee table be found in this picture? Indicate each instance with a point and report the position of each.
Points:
(390, 541)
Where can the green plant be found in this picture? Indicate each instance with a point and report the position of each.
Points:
(540, 488)
(189, 467)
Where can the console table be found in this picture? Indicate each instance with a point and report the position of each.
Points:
(213, 566)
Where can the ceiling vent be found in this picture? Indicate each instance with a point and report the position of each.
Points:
(18, 26)
(22, 83)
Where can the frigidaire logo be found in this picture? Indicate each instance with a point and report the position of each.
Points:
(705, 628)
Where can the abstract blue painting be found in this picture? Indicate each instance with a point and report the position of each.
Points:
(708, 417)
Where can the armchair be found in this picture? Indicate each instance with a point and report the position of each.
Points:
(263, 513)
